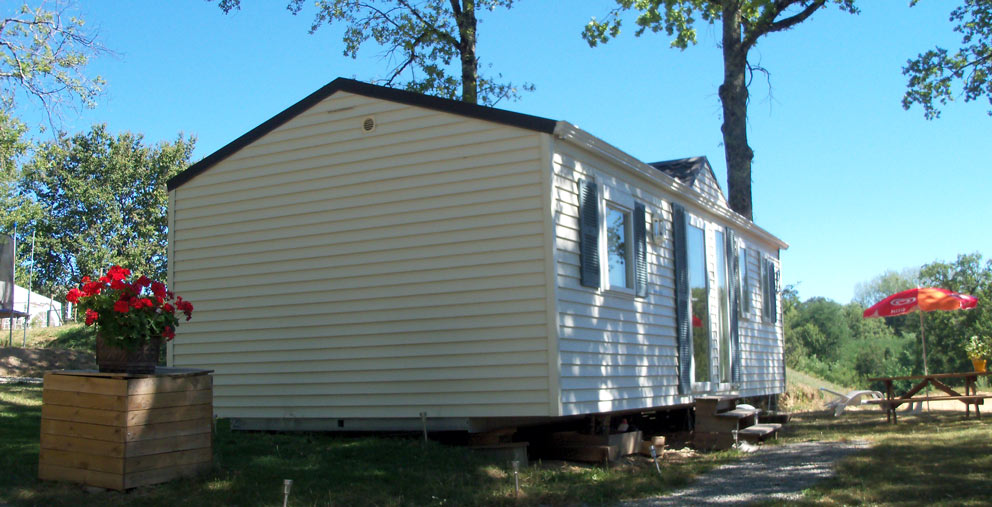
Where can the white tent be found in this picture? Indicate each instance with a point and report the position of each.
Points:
(43, 311)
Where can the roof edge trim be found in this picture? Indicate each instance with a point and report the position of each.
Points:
(675, 188)
(492, 114)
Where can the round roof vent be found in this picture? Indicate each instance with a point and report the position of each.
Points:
(368, 124)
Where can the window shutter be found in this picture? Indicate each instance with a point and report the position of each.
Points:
(774, 273)
(640, 251)
(770, 293)
(747, 301)
(682, 300)
(589, 233)
(735, 308)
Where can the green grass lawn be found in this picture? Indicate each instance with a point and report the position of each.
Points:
(934, 458)
(69, 336)
(249, 468)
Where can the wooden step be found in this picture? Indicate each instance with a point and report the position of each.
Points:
(715, 404)
(758, 432)
(739, 413)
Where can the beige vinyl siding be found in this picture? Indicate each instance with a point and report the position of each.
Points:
(617, 352)
(344, 274)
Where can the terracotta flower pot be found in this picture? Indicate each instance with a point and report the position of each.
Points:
(141, 359)
(979, 365)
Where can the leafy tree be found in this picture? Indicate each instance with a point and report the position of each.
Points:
(947, 332)
(744, 23)
(104, 202)
(17, 207)
(884, 285)
(421, 37)
(932, 73)
(43, 55)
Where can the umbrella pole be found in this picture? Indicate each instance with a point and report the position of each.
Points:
(923, 337)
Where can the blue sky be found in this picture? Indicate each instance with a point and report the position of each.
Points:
(855, 184)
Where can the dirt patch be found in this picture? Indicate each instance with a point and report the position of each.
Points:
(18, 362)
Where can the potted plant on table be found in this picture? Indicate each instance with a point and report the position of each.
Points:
(132, 315)
(979, 349)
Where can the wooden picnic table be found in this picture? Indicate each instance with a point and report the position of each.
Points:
(938, 380)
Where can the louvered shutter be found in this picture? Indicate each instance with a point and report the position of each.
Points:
(735, 298)
(640, 252)
(589, 233)
(774, 273)
(682, 301)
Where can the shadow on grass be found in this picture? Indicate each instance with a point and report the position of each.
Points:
(935, 458)
(76, 337)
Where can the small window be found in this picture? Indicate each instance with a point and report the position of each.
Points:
(619, 253)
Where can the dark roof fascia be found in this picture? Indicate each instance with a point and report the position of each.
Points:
(502, 116)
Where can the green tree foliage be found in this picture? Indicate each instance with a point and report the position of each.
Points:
(104, 202)
(43, 56)
(422, 39)
(933, 73)
(947, 332)
(885, 284)
(835, 342)
(744, 23)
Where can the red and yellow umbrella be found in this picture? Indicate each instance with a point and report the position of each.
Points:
(922, 300)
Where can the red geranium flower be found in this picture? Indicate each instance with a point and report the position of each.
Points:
(118, 273)
(158, 288)
(129, 310)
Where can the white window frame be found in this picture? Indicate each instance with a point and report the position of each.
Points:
(715, 330)
(623, 202)
(710, 385)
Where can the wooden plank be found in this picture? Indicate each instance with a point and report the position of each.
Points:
(168, 430)
(82, 445)
(85, 384)
(159, 370)
(155, 400)
(164, 474)
(83, 400)
(168, 384)
(164, 445)
(83, 415)
(170, 459)
(90, 477)
(168, 414)
(72, 459)
(84, 430)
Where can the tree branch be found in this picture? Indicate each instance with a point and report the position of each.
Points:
(433, 28)
(766, 22)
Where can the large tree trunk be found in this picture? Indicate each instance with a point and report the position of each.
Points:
(465, 17)
(733, 96)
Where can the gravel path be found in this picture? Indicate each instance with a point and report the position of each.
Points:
(773, 473)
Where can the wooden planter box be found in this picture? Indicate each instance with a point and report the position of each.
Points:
(120, 431)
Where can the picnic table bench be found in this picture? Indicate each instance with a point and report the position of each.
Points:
(938, 380)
